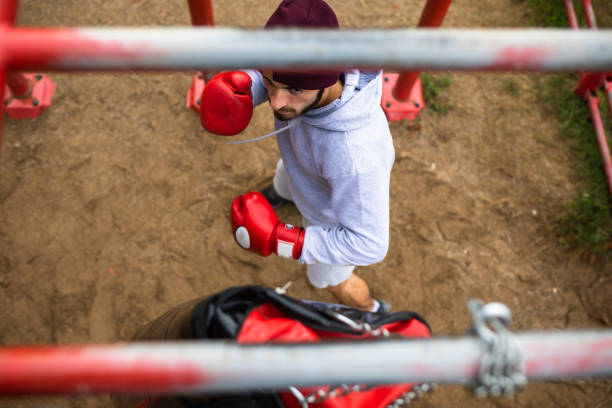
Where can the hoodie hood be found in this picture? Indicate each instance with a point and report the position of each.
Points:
(360, 98)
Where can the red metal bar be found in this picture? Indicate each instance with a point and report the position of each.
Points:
(601, 138)
(589, 81)
(404, 85)
(8, 14)
(201, 12)
(19, 85)
(571, 14)
(29, 94)
(2, 76)
(608, 91)
(587, 7)
(8, 11)
(587, 87)
(432, 16)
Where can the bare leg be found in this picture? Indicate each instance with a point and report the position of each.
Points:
(353, 292)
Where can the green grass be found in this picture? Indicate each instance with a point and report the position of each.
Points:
(432, 86)
(584, 223)
(550, 13)
(511, 86)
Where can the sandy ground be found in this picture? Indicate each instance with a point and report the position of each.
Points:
(114, 203)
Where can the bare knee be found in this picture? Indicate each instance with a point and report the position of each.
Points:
(353, 292)
(341, 287)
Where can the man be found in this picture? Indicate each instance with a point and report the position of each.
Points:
(336, 160)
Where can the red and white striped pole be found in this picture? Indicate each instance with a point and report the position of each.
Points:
(185, 48)
(402, 94)
(201, 12)
(221, 367)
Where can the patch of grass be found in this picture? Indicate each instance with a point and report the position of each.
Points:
(511, 86)
(432, 86)
(550, 13)
(586, 221)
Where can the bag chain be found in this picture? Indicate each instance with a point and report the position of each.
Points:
(417, 392)
(501, 371)
(320, 395)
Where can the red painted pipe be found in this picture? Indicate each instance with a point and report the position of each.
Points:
(2, 75)
(432, 16)
(8, 14)
(587, 7)
(76, 370)
(201, 12)
(8, 11)
(19, 84)
(601, 138)
(571, 14)
(589, 81)
(608, 91)
(404, 84)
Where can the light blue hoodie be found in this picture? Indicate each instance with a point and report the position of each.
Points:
(338, 159)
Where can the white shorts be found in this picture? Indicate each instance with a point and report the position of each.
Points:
(319, 275)
(281, 181)
(323, 275)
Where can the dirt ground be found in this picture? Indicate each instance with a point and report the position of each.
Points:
(114, 203)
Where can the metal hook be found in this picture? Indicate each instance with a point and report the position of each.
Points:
(489, 319)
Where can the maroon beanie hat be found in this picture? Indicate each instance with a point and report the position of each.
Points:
(305, 13)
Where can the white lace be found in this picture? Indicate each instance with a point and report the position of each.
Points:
(255, 139)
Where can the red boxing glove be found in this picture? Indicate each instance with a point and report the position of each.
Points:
(226, 104)
(256, 228)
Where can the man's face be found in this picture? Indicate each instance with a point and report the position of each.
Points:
(288, 102)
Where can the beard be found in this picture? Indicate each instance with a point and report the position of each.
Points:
(288, 113)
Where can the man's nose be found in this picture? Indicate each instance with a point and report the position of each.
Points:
(277, 99)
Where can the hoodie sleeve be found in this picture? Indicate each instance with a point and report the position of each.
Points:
(360, 203)
(260, 93)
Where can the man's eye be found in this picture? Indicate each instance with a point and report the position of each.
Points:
(295, 91)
